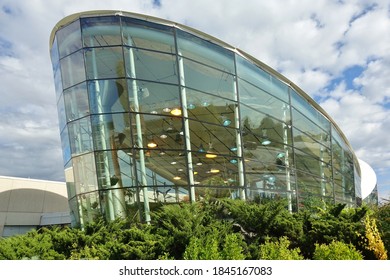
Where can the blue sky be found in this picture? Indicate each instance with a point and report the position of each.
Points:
(336, 51)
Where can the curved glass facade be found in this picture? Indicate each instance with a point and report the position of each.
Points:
(154, 112)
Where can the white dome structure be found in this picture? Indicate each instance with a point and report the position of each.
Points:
(368, 179)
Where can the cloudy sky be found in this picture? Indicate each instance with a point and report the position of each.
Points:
(338, 51)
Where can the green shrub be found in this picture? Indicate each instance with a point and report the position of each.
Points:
(336, 250)
(279, 250)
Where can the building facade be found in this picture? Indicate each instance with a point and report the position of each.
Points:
(27, 204)
(152, 112)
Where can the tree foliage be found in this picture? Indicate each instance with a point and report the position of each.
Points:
(216, 229)
(336, 250)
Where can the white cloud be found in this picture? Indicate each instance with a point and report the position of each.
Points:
(310, 42)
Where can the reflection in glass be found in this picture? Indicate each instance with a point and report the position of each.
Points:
(104, 63)
(69, 38)
(101, 31)
(72, 69)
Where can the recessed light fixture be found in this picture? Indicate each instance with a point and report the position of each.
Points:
(176, 112)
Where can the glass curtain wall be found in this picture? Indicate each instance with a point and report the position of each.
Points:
(150, 114)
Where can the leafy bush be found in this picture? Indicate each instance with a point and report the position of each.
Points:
(336, 250)
(279, 250)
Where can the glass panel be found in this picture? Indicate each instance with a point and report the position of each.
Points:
(309, 184)
(263, 101)
(72, 69)
(165, 133)
(80, 136)
(198, 76)
(74, 211)
(216, 192)
(85, 173)
(261, 79)
(309, 128)
(147, 35)
(66, 153)
(165, 168)
(69, 177)
(211, 109)
(76, 102)
(101, 31)
(108, 96)
(150, 65)
(55, 60)
(89, 207)
(104, 63)
(61, 113)
(205, 52)
(309, 112)
(154, 98)
(69, 38)
(312, 147)
(221, 171)
(260, 129)
(312, 165)
(111, 131)
(214, 139)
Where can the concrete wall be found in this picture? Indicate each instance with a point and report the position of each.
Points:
(25, 202)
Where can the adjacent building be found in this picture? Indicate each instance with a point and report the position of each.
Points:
(27, 204)
(152, 111)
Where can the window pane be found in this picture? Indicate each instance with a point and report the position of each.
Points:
(80, 136)
(101, 31)
(154, 98)
(103, 63)
(261, 79)
(208, 108)
(69, 39)
(85, 173)
(76, 102)
(198, 76)
(61, 113)
(72, 69)
(150, 65)
(308, 111)
(66, 153)
(309, 128)
(205, 52)
(263, 101)
(260, 129)
(147, 35)
(108, 96)
(111, 131)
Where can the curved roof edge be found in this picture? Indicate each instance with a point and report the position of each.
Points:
(368, 179)
(70, 18)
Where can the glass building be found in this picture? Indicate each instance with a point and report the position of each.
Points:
(151, 112)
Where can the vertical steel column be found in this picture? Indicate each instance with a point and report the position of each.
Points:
(102, 133)
(287, 157)
(139, 134)
(183, 96)
(240, 163)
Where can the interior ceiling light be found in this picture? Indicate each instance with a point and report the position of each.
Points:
(199, 163)
(166, 110)
(163, 134)
(280, 155)
(233, 160)
(205, 103)
(176, 112)
(226, 121)
(214, 170)
(152, 144)
(264, 139)
(176, 178)
(154, 112)
(233, 149)
(211, 152)
(191, 106)
(201, 149)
